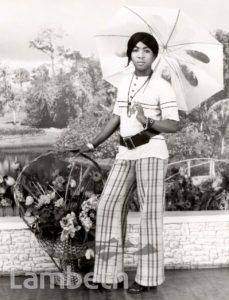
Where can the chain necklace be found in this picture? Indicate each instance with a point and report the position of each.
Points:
(130, 98)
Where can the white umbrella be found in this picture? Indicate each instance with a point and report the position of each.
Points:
(190, 58)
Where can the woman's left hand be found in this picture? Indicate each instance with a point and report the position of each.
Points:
(140, 116)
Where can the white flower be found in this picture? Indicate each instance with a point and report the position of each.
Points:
(29, 200)
(9, 180)
(86, 222)
(66, 232)
(59, 202)
(89, 253)
(43, 200)
(68, 226)
(72, 183)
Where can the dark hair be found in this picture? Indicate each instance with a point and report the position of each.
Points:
(145, 38)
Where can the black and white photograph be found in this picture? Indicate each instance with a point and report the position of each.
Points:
(114, 149)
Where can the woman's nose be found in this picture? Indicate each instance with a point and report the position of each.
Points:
(140, 54)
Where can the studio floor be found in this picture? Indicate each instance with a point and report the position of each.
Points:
(201, 284)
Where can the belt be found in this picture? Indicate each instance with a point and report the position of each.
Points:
(138, 139)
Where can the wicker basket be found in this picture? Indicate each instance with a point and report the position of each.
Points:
(64, 254)
(69, 275)
(66, 249)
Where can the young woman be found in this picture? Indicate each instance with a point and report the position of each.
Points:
(145, 107)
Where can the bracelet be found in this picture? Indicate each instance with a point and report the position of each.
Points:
(150, 123)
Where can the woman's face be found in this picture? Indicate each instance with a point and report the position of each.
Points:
(142, 57)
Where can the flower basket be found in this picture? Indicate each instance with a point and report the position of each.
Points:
(59, 204)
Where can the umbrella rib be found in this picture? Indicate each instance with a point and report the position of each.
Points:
(193, 43)
(177, 18)
(175, 71)
(172, 67)
(150, 28)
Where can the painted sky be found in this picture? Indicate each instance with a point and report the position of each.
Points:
(20, 21)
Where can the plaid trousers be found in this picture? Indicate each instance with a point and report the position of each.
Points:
(147, 175)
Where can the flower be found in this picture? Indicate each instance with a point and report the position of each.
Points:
(59, 182)
(29, 200)
(72, 183)
(43, 200)
(216, 184)
(52, 195)
(88, 213)
(96, 176)
(9, 180)
(89, 253)
(59, 202)
(87, 223)
(68, 225)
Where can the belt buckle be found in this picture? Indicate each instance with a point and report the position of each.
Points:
(128, 142)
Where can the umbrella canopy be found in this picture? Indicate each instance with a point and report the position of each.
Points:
(190, 58)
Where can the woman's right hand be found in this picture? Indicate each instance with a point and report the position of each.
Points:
(84, 148)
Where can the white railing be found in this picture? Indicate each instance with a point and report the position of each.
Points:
(210, 161)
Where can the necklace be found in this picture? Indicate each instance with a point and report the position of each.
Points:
(130, 98)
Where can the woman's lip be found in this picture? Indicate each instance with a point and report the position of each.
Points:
(140, 63)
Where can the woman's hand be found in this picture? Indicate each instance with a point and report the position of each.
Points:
(82, 149)
(140, 113)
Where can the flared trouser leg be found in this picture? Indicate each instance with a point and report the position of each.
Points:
(111, 222)
(151, 193)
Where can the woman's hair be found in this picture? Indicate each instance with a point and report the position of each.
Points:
(145, 38)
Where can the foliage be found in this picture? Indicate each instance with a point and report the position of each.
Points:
(223, 37)
(21, 75)
(65, 106)
(189, 143)
(212, 194)
(40, 97)
(6, 192)
(218, 118)
(85, 128)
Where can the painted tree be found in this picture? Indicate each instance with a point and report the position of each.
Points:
(21, 76)
(218, 118)
(40, 98)
(9, 101)
(46, 43)
(223, 37)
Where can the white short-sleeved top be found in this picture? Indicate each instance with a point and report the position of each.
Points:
(159, 103)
